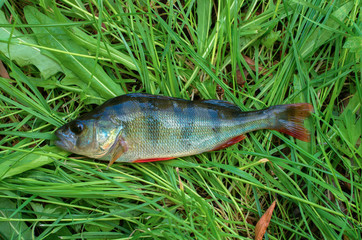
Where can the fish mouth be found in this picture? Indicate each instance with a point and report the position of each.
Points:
(61, 141)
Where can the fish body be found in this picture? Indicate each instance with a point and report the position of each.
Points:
(141, 127)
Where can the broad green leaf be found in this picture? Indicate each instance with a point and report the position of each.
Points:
(350, 126)
(24, 51)
(97, 84)
(18, 162)
(104, 49)
(12, 229)
(269, 40)
(354, 43)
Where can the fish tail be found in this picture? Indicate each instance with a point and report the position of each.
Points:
(289, 119)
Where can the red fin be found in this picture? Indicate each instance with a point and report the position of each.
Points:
(291, 120)
(229, 142)
(152, 160)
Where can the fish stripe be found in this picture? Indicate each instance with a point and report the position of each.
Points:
(178, 114)
(189, 123)
(216, 123)
(152, 124)
(153, 130)
(143, 119)
(137, 116)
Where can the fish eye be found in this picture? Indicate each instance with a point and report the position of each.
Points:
(76, 127)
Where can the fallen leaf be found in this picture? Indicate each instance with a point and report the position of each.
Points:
(239, 77)
(3, 72)
(179, 179)
(251, 64)
(263, 222)
(249, 61)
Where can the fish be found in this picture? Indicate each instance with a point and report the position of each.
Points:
(140, 127)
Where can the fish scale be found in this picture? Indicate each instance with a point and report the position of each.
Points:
(171, 141)
(210, 130)
(143, 127)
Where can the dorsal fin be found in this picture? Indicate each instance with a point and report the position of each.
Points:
(150, 96)
(221, 103)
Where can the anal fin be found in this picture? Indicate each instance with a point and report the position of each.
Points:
(230, 142)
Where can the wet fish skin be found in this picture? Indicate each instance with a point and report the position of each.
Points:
(143, 127)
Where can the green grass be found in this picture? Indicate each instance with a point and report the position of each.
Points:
(65, 57)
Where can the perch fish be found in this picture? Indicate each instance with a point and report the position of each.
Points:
(143, 128)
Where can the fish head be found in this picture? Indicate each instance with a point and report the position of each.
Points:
(90, 138)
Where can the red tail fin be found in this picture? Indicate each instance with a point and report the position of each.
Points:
(290, 119)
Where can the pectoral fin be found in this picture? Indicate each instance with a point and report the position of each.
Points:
(118, 149)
